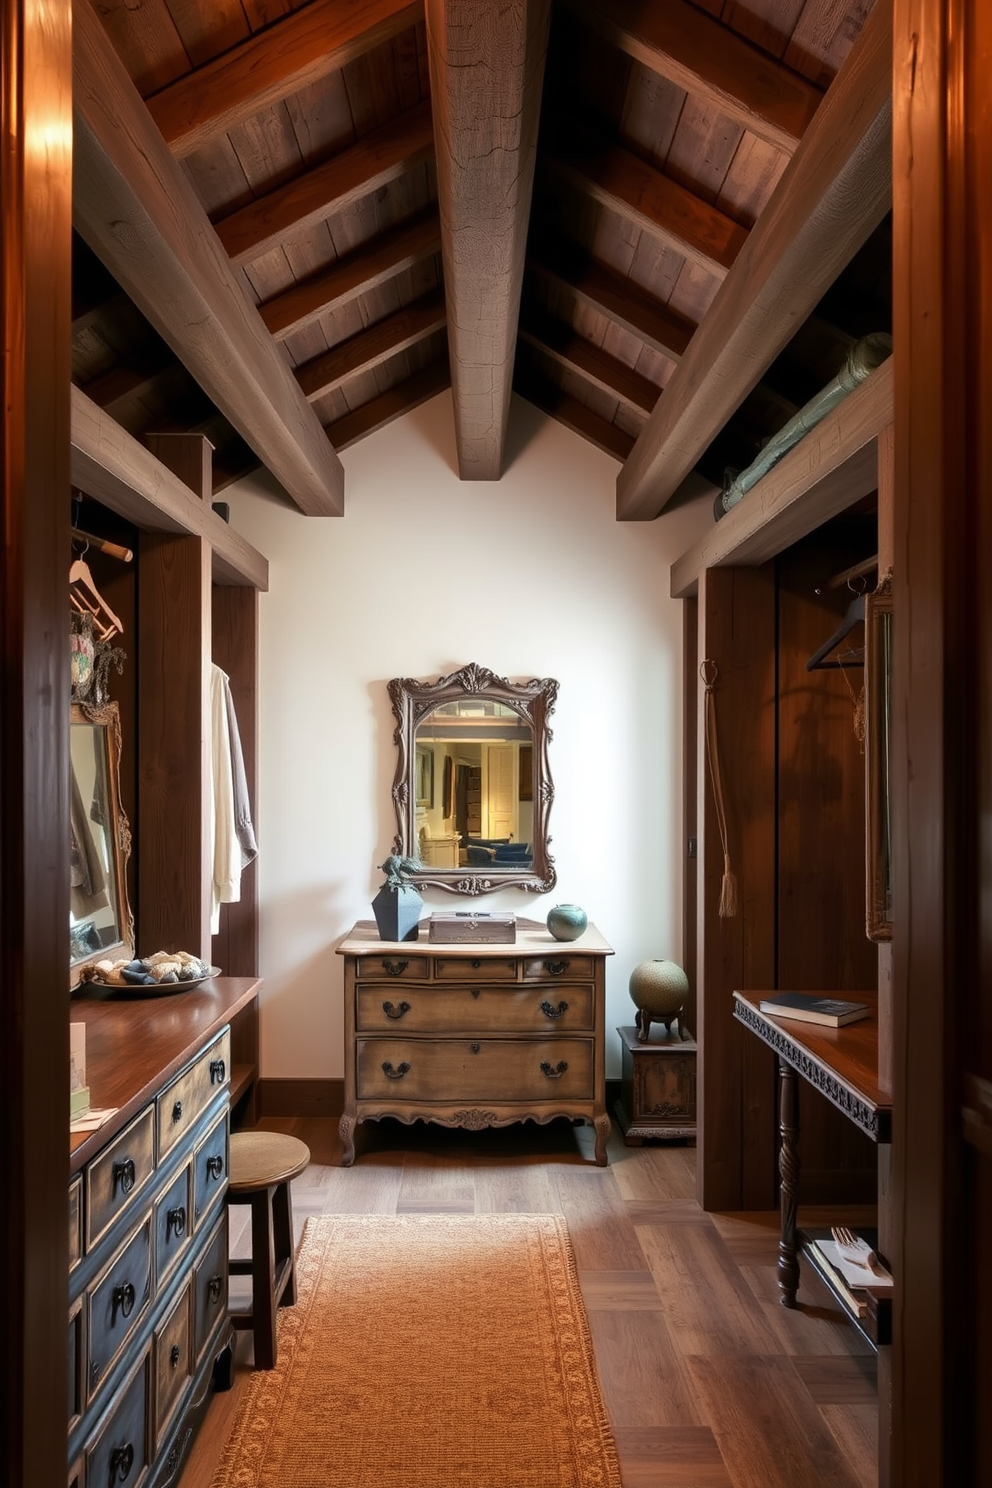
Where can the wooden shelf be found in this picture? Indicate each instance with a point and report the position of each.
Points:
(242, 1076)
(876, 1324)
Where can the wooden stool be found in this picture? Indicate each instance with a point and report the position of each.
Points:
(261, 1167)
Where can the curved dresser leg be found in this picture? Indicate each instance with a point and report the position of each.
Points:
(346, 1131)
(602, 1125)
(788, 1167)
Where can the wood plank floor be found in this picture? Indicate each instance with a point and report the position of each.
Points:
(708, 1381)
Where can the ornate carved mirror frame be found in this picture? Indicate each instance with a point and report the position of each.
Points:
(413, 704)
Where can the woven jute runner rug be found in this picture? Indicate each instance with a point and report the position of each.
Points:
(428, 1351)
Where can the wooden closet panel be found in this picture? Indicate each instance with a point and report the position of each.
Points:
(690, 827)
(235, 650)
(736, 1086)
(173, 902)
(822, 945)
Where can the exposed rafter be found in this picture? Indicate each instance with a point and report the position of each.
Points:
(390, 405)
(487, 72)
(134, 206)
(710, 61)
(626, 184)
(834, 192)
(378, 158)
(567, 410)
(572, 351)
(291, 54)
(369, 349)
(369, 266)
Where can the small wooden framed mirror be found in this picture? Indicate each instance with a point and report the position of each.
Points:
(100, 921)
(878, 717)
(473, 788)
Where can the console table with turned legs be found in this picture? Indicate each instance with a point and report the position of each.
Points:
(474, 1035)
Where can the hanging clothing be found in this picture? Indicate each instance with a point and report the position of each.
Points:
(233, 844)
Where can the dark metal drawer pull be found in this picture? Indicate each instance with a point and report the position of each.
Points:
(214, 1288)
(175, 1223)
(557, 1072)
(555, 968)
(395, 1012)
(218, 1071)
(551, 1012)
(177, 1111)
(476, 991)
(215, 1165)
(121, 1463)
(475, 1048)
(397, 1073)
(476, 965)
(395, 968)
(174, 1356)
(122, 1301)
(124, 1175)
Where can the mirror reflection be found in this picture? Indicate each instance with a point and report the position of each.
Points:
(474, 786)
(473, 789)
(99, 918)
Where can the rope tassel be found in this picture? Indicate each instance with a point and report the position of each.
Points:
(709, 672)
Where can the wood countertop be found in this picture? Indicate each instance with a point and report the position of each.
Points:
(533, 939)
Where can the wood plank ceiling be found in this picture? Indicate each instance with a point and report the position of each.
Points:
(325, 211)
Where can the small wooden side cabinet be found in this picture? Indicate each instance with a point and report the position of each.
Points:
(657, 1087)
(474, 1035)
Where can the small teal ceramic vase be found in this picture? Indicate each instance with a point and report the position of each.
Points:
(658, 990)
(567, 921)
(397, 913)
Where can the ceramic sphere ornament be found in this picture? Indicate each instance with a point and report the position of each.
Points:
(658, 990)
(567, 921)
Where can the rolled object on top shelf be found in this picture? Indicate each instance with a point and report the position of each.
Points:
(863, 358)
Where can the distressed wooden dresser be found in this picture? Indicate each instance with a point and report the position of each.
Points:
(148, 1313)
(474, 1035)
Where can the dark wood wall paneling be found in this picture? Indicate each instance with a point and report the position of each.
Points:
(36, 145)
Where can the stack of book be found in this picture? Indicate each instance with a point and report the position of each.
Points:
(849, 1280)
(807, 1007)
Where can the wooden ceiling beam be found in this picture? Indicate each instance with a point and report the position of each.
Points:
(366, 268)
(708, 60)
(370, 348)
(135, 207)
(487, 73)
(373, 161)
(293, 53)
(390, 405)
(619, 299)
(561, 406)
(591, 362)
(833, 193)
(622, 182)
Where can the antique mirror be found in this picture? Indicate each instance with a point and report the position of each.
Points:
(878, 709)
(100, 923)
(473, 789)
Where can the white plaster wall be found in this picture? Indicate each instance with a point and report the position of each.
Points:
(533, 577)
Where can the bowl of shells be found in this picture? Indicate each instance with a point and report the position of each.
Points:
(151, 976)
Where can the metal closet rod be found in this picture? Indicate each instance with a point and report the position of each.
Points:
(866, 566)
(113, 550)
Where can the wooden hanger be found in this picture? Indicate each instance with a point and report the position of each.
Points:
(854, 616)
(85, 597)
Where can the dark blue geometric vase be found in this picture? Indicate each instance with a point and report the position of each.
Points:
(397, 913)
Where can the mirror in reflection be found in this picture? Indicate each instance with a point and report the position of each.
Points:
(472, 789)
(99, 839)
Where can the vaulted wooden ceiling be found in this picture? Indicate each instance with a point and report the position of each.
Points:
(297, 221)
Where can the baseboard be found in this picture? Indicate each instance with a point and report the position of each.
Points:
(300, 1097)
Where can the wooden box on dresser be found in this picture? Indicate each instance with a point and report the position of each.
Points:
(148, 1315)
(474, 1035)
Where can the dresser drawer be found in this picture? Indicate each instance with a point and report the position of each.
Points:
(77, 1369)
(210, 1169)
(210, 1287)
(183, 1102)
(120, 1450)
(116, 1303)
(75, 1222)
(486, 1009)
(120, 1172)
(172, 1361)
(557, 967)
(395, 968)
(487, 1069)
(173, 1224)
(475, 968)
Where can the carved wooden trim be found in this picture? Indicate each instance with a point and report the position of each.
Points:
(534, 701)
(875, 1123)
